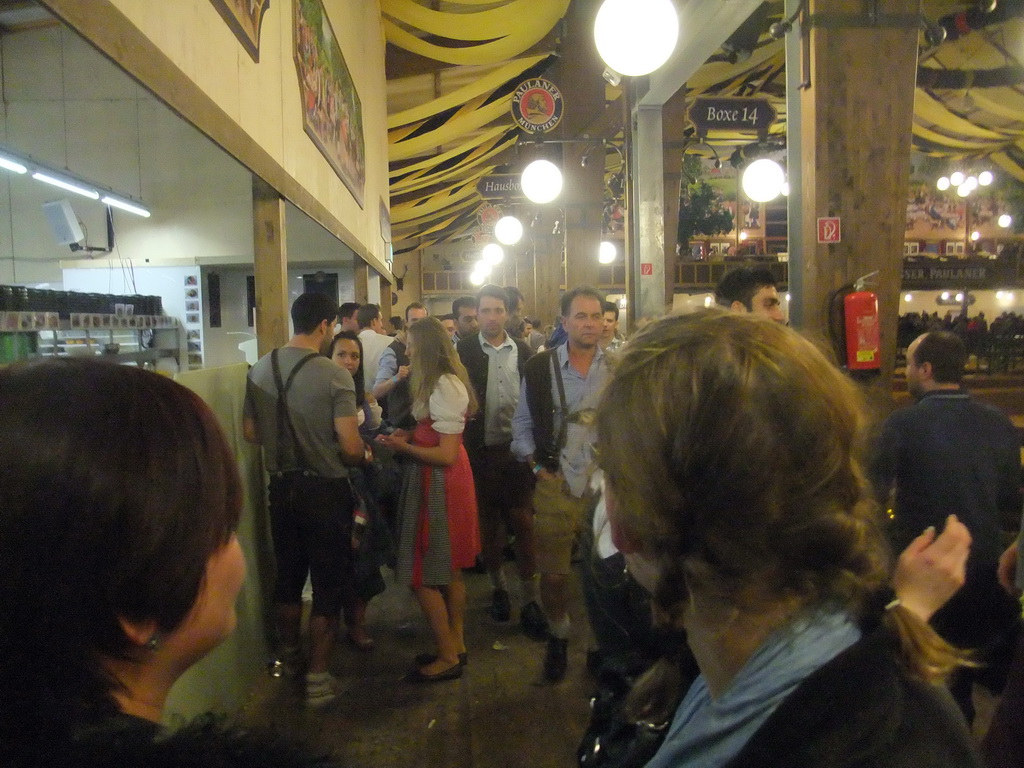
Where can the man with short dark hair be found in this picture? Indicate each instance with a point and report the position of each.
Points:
(464, 310)
(347, 316)
(391, 385)
(448, 323)
(610, 341)
(495, 362)
(951, 454)
(750, 289)
(301, 408)
(375, 341)
(553, 432)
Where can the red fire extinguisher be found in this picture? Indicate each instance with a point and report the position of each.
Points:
(863, 341)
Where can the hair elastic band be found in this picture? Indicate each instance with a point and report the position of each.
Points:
(893, 604)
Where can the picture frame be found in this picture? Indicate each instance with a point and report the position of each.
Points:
(245, 19)
(332, 113)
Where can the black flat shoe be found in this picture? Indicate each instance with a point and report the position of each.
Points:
(422, 659)
(452, 673)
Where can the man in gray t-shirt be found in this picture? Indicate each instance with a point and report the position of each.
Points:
(301, 408)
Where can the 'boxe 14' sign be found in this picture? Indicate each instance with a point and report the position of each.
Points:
(731, 114)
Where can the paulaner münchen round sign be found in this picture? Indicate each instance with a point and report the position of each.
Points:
(537, 105)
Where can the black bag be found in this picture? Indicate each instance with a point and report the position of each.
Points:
(611, 741)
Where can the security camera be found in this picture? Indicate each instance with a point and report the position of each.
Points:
(611, 77)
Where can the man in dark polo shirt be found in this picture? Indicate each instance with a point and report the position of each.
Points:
(494, 361)
(949, 454)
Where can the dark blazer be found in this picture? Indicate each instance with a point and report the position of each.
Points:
(476, 362)
(861, 710)
(397, 405)
(542, 408)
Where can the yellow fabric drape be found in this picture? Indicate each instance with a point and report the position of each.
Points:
(408, 211)
(456, 179)
(1003, 161)
(936, 113)
(493, 52)
(526, 17)
(413, 227)
(491, 134)
(460, 124)
(427, 179)
(479, 87)
(948, 141)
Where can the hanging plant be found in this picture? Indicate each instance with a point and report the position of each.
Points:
(701, 207)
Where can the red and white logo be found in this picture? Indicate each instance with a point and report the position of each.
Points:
(829, 230)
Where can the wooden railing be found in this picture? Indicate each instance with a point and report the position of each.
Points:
(919, 273)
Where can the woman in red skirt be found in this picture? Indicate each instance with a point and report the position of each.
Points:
(438, 528)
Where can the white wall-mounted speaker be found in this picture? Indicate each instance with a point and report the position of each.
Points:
(63, 222)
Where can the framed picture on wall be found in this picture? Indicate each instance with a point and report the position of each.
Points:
(332, 114)
(244, 18)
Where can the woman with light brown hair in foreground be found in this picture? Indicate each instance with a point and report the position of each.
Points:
(731, 449)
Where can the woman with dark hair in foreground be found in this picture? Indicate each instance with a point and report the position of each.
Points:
(119, 567)
(741, 505)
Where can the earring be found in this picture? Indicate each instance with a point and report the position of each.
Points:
(154, 642)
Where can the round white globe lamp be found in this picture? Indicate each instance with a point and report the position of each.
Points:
(963, 190)
(975, 235)
(606, 252)
(493, 254)
(956, 178)
(1005, 220)
(985, 178)
(635, 37)
(541, 181)
(942, 184)
(483, 268)
(763, 180)
(508, 230)
(477, 279)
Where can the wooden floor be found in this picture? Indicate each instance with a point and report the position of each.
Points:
(499, 715)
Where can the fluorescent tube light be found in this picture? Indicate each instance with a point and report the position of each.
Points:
(138, 210)
(92, 194)
(12, 165)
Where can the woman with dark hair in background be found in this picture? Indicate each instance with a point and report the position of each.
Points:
(347, 351)
(119, 566)
(371, 537)
(439, 532)
(735, 489)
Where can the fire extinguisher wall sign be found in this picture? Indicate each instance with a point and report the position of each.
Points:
(863, 342)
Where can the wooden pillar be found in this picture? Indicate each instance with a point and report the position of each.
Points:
(547, 250)
(856, 134)
(361, 279)
(270, 265)
(526, 278)
(583, 91)
(385, 298)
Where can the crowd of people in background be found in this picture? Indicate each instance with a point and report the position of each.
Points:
(977, 333)
(712, 462)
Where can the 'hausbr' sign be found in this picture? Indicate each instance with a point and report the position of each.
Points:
(731, 114)
(500, 186)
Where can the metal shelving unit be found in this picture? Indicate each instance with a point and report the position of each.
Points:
(138, 339)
